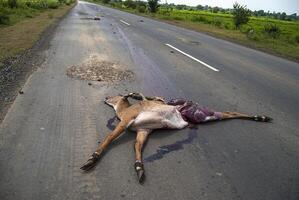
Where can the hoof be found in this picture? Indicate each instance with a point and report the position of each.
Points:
(141, 176)
(91, 162)
(262, 118)
(140, 171)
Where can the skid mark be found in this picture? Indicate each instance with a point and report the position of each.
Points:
(166, 149)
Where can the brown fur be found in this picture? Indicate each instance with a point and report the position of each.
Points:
(146, 116)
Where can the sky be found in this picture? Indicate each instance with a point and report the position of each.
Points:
(288, 6)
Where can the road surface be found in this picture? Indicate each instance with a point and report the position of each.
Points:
(55, 125)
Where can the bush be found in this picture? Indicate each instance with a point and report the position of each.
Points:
(53, 4)
(297, 38)
(198, 19)
(251, 34)
(164, 12)
(68, 2)
(4, 17)
(12, 3)
(130, 4)
(41, 4)
(228, 26)
(272, 30)
(141, 9)
(240, 15)
(153, 5)
(217, 22)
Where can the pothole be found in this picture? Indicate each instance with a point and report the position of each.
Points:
(96, 69)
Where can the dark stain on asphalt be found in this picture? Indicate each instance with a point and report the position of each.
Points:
(166, 149)
(111, 123)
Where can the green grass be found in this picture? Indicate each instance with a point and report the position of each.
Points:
(25, 27)
(26, 9)
(255, 34)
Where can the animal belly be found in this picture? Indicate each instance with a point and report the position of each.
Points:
(169, 117)
(174, 120)
(148, 120)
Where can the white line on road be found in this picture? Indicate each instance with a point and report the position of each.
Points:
(125, 22)
(201, 62)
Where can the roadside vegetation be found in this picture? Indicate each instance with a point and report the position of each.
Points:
(23, 21)
(12, 11)
(276, 33)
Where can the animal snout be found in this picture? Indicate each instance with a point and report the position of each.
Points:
(106, 99)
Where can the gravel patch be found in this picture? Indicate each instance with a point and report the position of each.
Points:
(96, 69)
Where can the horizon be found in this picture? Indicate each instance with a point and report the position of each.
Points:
(287, 6)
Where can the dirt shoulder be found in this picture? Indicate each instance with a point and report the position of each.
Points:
(21, 52)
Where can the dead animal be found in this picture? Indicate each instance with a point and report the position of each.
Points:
(152, 113)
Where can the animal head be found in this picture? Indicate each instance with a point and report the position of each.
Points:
(117, 102)
(114, 100)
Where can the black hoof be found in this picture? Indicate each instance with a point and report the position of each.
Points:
(140, 171)
(262, 118)
(91, 162)
(141, 176)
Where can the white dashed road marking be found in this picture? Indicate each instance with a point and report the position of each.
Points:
(125, 22)
(197, 60)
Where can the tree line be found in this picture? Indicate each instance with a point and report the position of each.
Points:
(152, 6)
(216, 9)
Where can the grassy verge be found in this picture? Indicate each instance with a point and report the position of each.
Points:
(22, 32)
(278, 37)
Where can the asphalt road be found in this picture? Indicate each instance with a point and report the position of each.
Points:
(55, 125)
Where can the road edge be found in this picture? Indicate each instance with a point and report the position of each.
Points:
(16, 71)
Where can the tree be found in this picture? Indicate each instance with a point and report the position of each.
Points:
(283, 16)
(130, 4)
(181, 7)
(261, 13)
(240, 14)
(153, 5)
(199, 7)
(215, 9)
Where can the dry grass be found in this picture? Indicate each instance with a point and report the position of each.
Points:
(16, 38)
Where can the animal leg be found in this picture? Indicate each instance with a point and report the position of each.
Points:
(236, 115)
(136, 96)
(141, 97)
(91, 162)
(140, 140)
